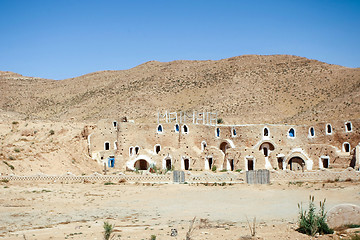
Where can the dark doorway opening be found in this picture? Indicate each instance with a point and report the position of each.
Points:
(280, 163)
(186, 164)
(210, 162)
(141, 164)
(325, 162)
(250, 164)
(231, 164)
(168, 164)
(296, 164)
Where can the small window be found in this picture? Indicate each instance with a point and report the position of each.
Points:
(234, 132)
(157, 148)
(203, 145)
(107, 146)
(266, 132)
(311, 132)
(131, 150)
(217, 132)
(328, 129)
(177, 128)
(137, 150)
(346, 147)
(115, 124)
(292, 133)
(115, 145)
(185, 129)
(159, 129)
(348, 127)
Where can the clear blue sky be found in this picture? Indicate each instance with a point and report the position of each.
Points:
(62, 39)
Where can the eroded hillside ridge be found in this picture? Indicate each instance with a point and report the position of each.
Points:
(244, 89)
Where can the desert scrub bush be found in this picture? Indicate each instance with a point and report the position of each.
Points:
(153, 237)
(108, 230)
(11, 158)
(52, 132)
(213, 168)
(220, 121)
(311, 222)
(17, 150)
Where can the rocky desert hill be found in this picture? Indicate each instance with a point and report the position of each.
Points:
(41, 120)
(244, 89)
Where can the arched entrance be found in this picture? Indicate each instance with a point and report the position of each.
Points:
(296, 164)
(266, 148)
(141, 164)
(224, 146)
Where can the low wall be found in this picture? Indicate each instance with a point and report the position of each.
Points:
(320, 175)
(141, 178)
(191, 177)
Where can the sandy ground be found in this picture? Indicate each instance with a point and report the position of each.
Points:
(78, 210)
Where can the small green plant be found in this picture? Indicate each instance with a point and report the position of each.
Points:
(52, 132)
(213, 168)
(109, 183)
(153, 237)
(311, 222)
(15, 122)
(9, 165)
(238, 170)
(11, 158)
(17, 150)
(220, 121)
(4, 180)
(223, 170)
(108, 230)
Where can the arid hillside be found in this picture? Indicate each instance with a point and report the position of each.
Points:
(244, 89)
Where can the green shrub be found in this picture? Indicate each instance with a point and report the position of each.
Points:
(238, 170)
(213, 168)
(17, 150)
(311, 222)
(52, 132)
(153, 237)
(109, 183)
(220, 121)
(108, 230)
(9, 165)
